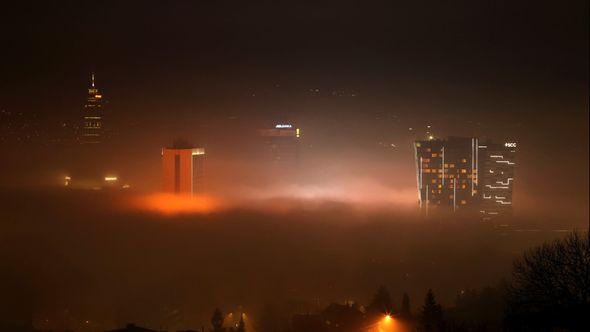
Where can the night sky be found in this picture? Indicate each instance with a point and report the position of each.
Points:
(463, 56)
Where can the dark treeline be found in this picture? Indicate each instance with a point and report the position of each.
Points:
(549, 291)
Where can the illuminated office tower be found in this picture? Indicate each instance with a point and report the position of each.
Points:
(183, 169)
(497, 178)
(282, 142)
(446, 172)
(92, 131)
(463, 174)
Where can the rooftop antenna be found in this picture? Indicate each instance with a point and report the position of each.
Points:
(92, 80)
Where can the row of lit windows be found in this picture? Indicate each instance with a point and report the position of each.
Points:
(463, 183)
(437, 155)
(462, 202)
(92, 125)
(438, 170)
(425, 164)
(454, 176)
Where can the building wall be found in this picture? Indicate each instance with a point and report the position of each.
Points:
(198, 156)
(461, 174)
(282, 143)
(92, 126)
(497, 179)
(446, 173)
(177, 168)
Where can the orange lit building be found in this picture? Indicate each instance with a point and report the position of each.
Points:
(447, 172)
(183, 169)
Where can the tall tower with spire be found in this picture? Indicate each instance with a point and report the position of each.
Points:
(92, 127)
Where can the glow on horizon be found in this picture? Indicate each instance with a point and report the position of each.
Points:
(171, 204)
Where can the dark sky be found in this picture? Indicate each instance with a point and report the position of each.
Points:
(163, 51)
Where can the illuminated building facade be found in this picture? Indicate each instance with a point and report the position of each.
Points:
(460, 174)
(497, 178)
(447, 173)
(92, 131)
(183, 170)
(282, 142)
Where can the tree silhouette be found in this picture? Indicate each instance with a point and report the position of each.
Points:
(431, 318)
(405, 309)
(551, 286)
(217, 321)
(381, 302)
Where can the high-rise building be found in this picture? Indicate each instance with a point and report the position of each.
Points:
(447, 172)
(282, 142)
(92, 131)
(183, 169)
(458, 174)
(497, 178)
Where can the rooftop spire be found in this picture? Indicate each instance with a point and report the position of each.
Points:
(92, 80)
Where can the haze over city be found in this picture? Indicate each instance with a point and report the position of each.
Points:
(272, 160)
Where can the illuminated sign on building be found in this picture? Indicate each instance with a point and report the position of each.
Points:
(280, 126)
(510, 144)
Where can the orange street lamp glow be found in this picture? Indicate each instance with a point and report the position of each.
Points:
(387, 324)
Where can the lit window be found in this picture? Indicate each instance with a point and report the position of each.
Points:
(463, 160)
(434, 155)
(464, 171)
(463, 202)
(434, 180)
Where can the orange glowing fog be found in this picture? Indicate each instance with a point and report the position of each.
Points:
(279, 199)
(170, 204)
